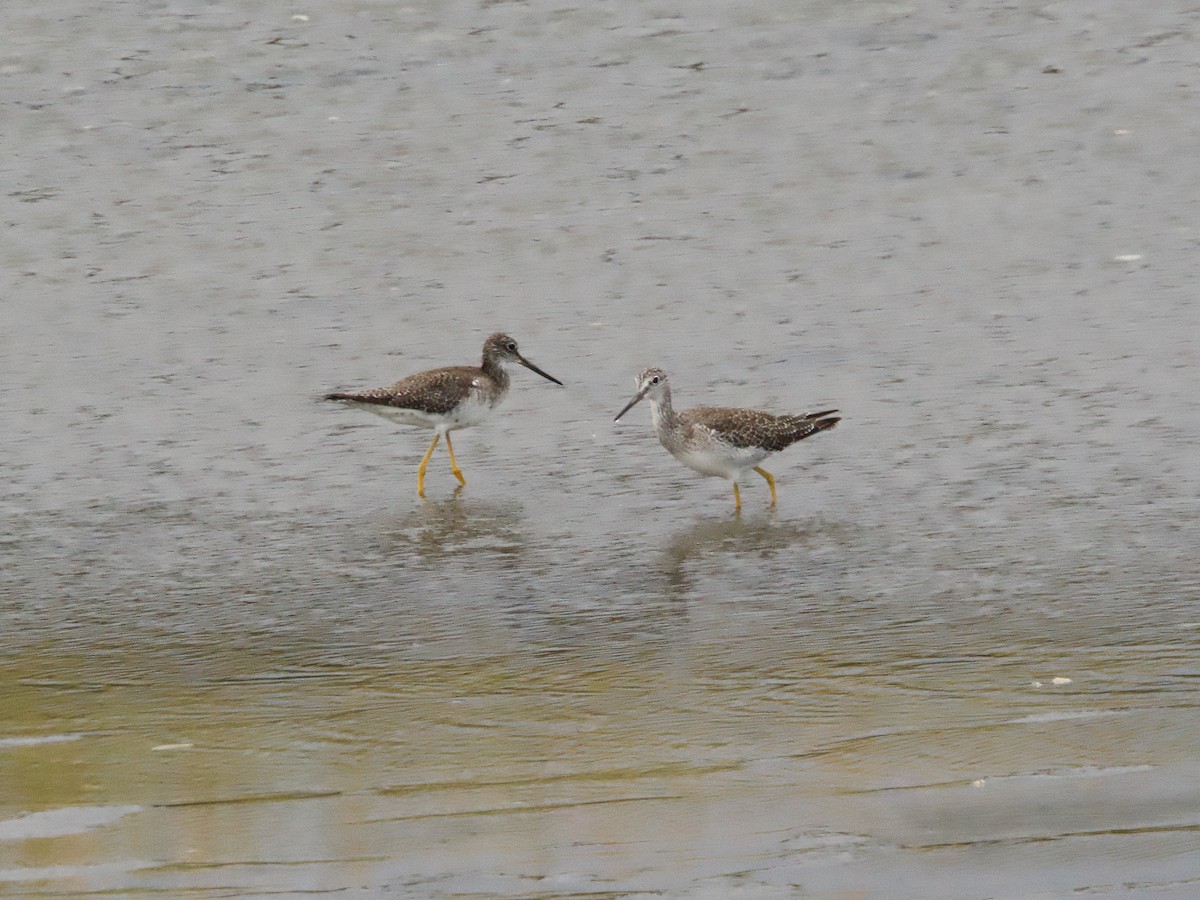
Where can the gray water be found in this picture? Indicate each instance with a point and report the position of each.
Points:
(240, 657)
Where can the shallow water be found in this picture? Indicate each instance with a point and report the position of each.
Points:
(242, 658)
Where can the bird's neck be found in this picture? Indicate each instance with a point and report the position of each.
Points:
(496, 372)
(663, 413)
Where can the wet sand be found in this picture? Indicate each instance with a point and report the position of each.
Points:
(242, 658)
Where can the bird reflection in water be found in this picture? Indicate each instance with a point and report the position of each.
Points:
(709, 539)
(459, 527)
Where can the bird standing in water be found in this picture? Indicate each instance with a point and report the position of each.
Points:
(723, 441)
(446, 399)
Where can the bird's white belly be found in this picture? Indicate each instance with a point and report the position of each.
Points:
(471, 411)
(721, 460)
(400, 416)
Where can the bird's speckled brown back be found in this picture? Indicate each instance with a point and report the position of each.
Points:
(437, 392)
(751, 428)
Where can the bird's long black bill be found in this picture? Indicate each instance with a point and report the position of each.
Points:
(630, 405)
(531, 367)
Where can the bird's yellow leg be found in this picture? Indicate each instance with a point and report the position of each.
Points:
(424, 463)
(453, 464)
(737, 498)
(770, 481)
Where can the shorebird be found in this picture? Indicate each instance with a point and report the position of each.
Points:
(446, 399)
(723, 441)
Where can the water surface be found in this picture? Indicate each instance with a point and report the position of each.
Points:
(242, 658)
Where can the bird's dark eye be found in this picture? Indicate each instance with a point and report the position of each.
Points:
(512, 346)
(654, 380)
